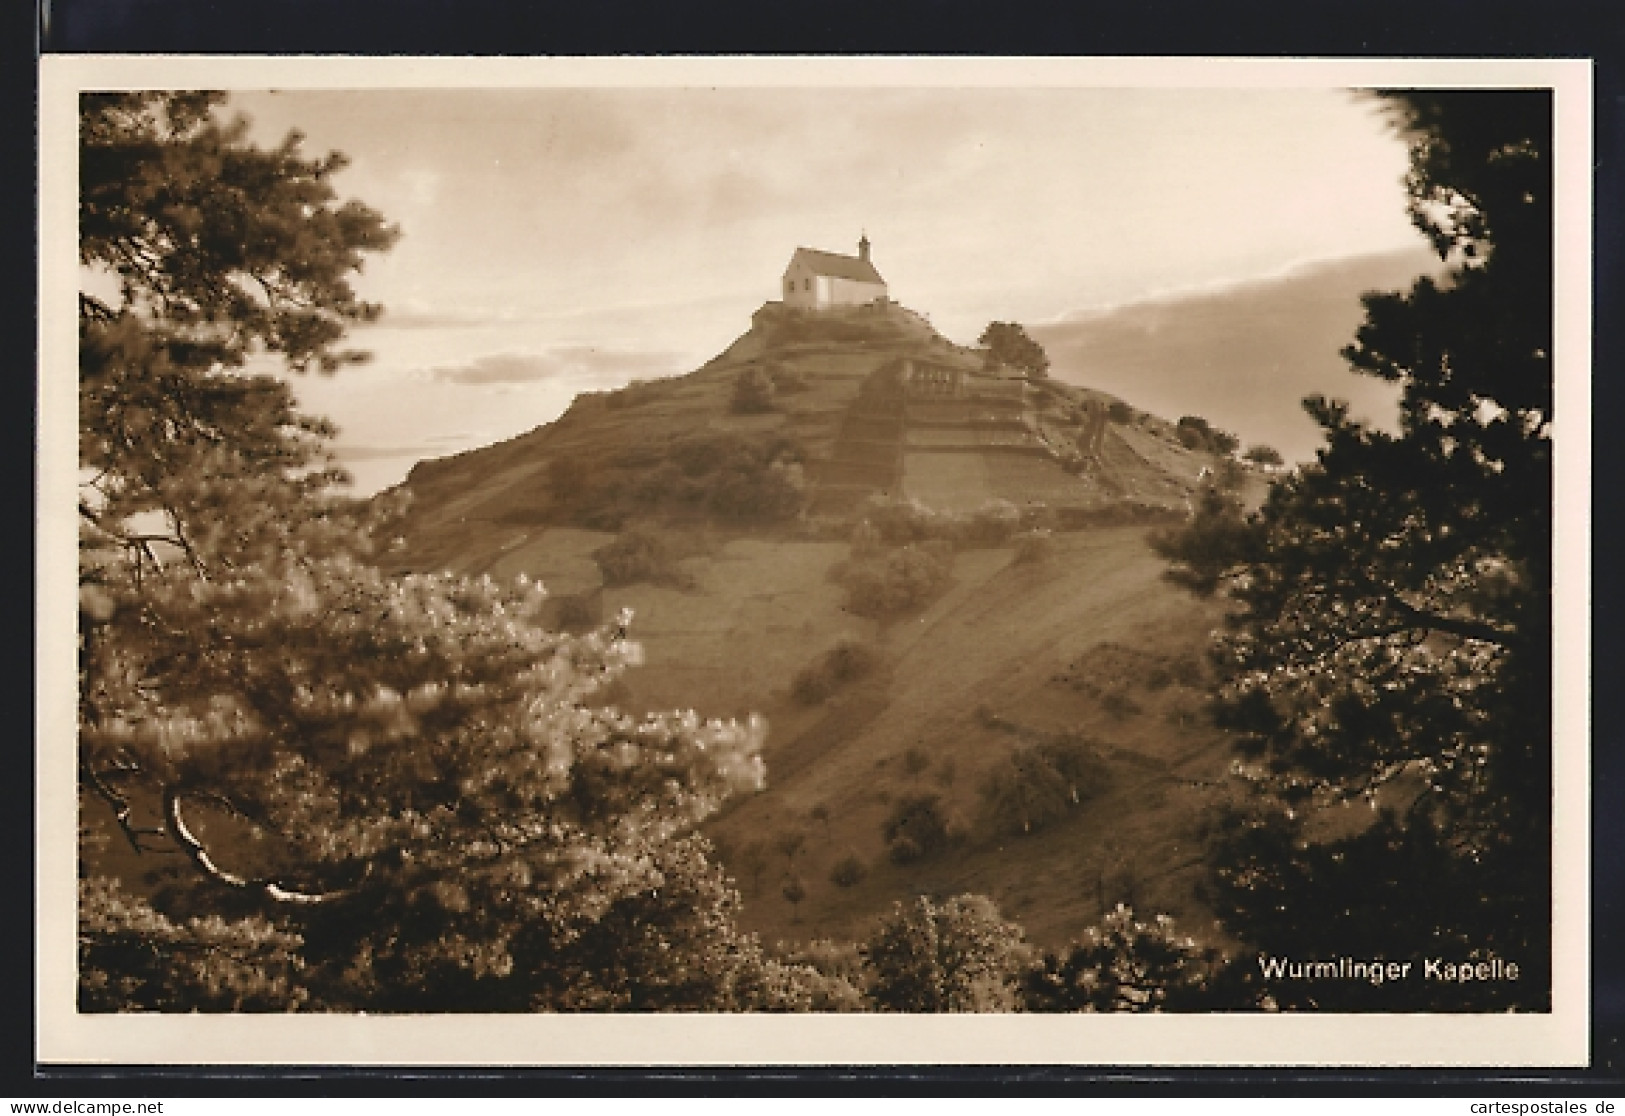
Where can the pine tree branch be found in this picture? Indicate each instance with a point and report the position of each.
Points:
(190, 844)
(121, 811)
(1450, 625)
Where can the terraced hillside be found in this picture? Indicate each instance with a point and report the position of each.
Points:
(844, 410)
(1037, 625)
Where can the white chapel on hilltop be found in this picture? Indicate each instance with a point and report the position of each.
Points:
(818, 280)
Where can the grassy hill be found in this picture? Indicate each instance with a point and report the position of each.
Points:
(1026, 684)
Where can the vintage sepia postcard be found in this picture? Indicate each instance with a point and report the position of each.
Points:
(809, 561)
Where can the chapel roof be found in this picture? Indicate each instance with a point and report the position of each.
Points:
(841, 267)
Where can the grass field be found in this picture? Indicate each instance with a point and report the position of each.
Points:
(559, 557)
(991, 664)
(757, 614)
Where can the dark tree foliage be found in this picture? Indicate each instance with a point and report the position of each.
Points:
(643, 554)
(1125, 965)
(753, 392)
(219, 246)
(1196, 433)
(916, 827)
(1208, 550)
(794, 891)
(849, 871)
(850, 659)
(1391, 639)
(1008, 344)
(768, 493)
(1398, 891)
(736, 477)
(957, 956)
(132, 957)
(1038, 784)
(896, 581)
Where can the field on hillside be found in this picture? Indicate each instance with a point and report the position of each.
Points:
(1091, 643)
(731, 645)
(559, 557)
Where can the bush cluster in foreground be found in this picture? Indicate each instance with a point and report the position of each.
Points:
(901, 580)
(901, 519)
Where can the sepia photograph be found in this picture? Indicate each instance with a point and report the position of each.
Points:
(765, 560)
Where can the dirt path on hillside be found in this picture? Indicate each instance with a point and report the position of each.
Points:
(1092, 432)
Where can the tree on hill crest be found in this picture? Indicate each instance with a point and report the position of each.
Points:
(1007, 343)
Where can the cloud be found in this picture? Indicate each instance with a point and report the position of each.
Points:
(375, 453)
(1386, 270)
(427, 446)
(413, 315)
(606, 366)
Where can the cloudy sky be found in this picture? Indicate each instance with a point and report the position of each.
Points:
(557, 240)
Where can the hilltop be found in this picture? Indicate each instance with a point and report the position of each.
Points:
(927, 572)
